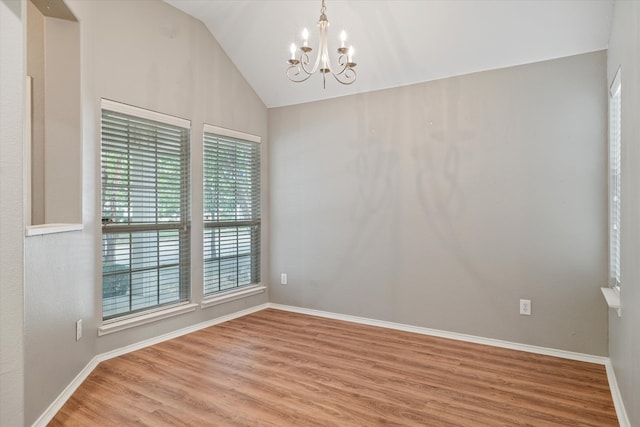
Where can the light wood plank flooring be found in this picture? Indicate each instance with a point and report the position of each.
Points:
(275, 368)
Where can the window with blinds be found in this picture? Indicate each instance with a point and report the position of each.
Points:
(615, 127)
(145, 217)
(231, 210)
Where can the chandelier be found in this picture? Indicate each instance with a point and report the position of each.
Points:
(299, 69)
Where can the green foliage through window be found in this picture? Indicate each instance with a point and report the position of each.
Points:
(145, 201)
(231, 213)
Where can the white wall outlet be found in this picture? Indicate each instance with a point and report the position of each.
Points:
(283, 278)
(525, 307)
(78, 330)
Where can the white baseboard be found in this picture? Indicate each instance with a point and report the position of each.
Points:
(581, 357)
(57, 404)
(621, 412)
(600, 360)
(180, 332)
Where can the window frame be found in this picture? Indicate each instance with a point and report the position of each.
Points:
(181, 225)
(254, 286)
(614, 179)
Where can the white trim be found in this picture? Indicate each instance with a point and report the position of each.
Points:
(180, 332)
(232, 296)
(107, 104)
(618, 403)
(231, 133)
(59, 402)
(131, 322)
(613, 298)
(40, 229)
(615, 86)
(582, 357)
(68, 391)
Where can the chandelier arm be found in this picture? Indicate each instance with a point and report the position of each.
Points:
(346, 77)
(304, 60)
(293, 74)
(343, 64)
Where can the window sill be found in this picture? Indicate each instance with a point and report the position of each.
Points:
(613, 298)
(120, 325)
(38, 230)
(232, 296)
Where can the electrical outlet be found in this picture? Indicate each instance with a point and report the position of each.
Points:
(525, 307)
(78, 330)
(283, 278)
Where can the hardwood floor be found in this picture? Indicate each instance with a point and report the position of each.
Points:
(276, 368)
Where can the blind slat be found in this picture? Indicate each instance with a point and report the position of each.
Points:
(145, 180)
(231, 213)
(615, 149)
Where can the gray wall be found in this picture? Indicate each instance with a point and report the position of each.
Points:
(624, 332)
(442, 204)
(147, 54)
(438, 204)
(12, 77)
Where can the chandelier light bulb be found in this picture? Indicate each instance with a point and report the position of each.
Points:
(293, 49)
(343, 38)
(305, 37)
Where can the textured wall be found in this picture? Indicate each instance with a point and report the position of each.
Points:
(147, 54)
(12, 78)
(442, 204)
(624, 333)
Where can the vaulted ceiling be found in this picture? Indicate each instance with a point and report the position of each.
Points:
(398, 42)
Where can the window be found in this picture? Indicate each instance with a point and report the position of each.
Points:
(145, 218)
(615, 127)
(231, 210)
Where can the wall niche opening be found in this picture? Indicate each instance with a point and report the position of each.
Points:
(54, 118)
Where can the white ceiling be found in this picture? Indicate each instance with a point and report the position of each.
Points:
(398, 42)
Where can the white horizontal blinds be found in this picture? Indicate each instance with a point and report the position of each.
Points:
(231, 211)
(615, 128)
(145, 232)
